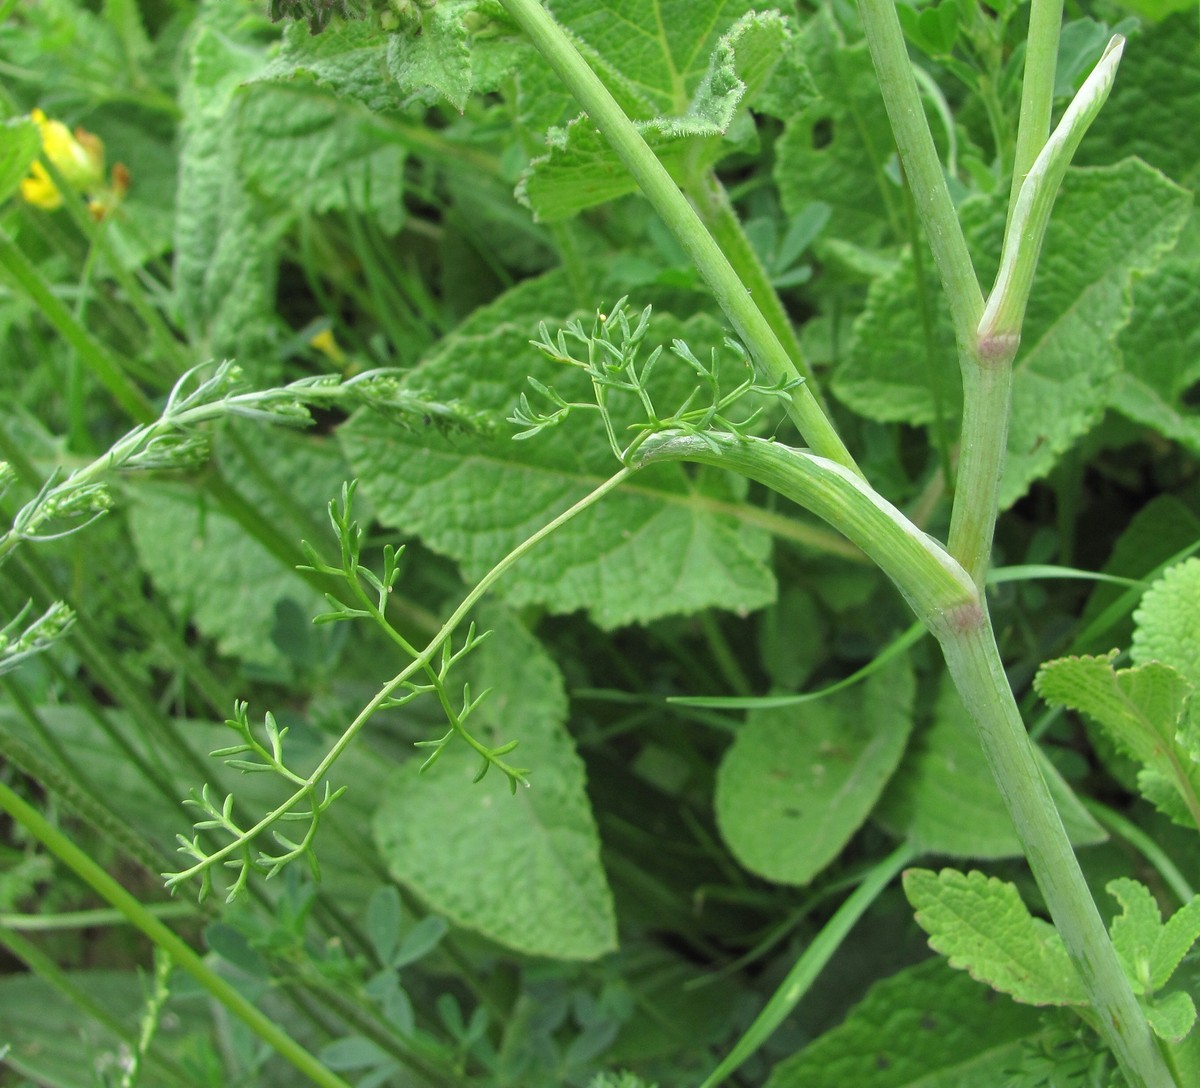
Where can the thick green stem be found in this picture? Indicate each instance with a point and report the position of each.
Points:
(987, 394)
(681, 218)
(182, 954)
(1037, 89)
(974, 661)
(922, 166)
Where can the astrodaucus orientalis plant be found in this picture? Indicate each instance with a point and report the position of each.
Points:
(408, 193)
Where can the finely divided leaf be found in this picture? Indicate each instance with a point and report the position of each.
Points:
(944, 799)
(799, 781)
(522, 870)
(983, 927)
(668, 542)
(925, 1027)
(1168, 622)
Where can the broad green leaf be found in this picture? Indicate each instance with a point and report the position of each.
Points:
(522, 870)
(581, 170)
(1160, 348)
(1140, 709)
(435, 56)
(224, 269)
(1168, 622)
(306, 149)
(944, 799)
(798, 782)
(1173, 1017)
(925, 1027)
(348, 58)
(1108, 223)
(1151, 951)
(836, 144)
(662, 47)
(981, 925)
(665, 543)
(1159, 84)
(1175, 940)
(19, 146)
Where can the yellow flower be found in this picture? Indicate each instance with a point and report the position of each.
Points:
(325, 343)
(79, 158)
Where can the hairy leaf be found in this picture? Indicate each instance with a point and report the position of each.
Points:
(1141, 710)
(925, 1027)
(798, 782)
(1150, 951)
(981, 925)
(581, 170)
(523, 870)
(1168, 622)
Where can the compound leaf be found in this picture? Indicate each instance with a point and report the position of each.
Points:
(982, 926)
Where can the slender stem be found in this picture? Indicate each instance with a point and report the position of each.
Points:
(922, 166)
(806, 969)
(974, 661)
(1037, 89)
(1144, 845)
(112, 892)
(681, 218)
(711, 200)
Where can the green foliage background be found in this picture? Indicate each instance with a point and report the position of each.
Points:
(430, 198)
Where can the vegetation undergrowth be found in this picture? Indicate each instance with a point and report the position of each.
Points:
(497, 464)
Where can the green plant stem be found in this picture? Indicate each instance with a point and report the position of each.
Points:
(309, 786)
(179, 951)
(806, 969)
(987, 402)
(682, 220)
(1037, 89)
(922, 166)
(105, 366)
(974, 661)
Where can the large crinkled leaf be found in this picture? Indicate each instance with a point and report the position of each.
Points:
(799, 781)
(1159, 84)
(581, 169)
(303, 148)
(523, 870)
(662, 47)
(224, 269)
(944, 799)
(982, 926)
(665, 543)
(1160, 348)
(925, 1027)
(1109, 222)
(1168, 622)
(440, 58)
(836, 145)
